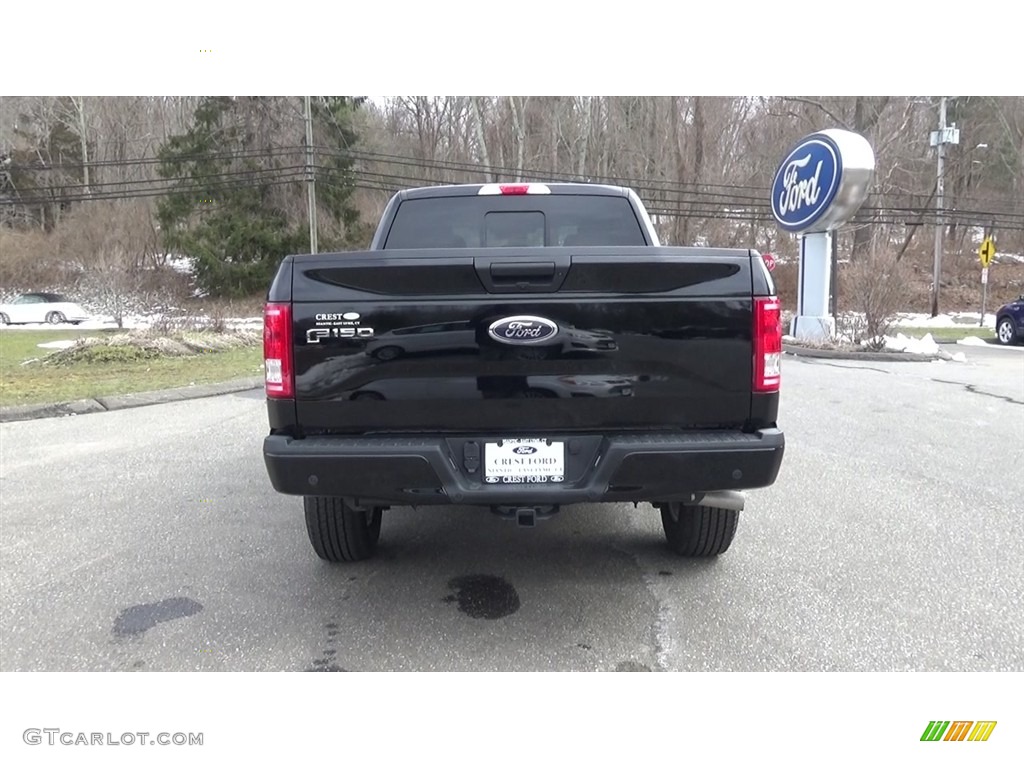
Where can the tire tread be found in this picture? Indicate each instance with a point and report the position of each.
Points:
(338, 532)
(700, 531)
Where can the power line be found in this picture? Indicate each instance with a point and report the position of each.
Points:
(705, 188)
(663, 198)
(144, 161)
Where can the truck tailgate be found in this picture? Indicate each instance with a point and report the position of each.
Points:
(610, 338)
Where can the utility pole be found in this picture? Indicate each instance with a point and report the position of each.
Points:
(80, 108)
(310, 177)
(939, 140)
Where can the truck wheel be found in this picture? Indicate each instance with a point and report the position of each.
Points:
(339, 533)
(698, 531)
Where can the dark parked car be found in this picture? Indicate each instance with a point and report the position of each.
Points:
(1010, 322)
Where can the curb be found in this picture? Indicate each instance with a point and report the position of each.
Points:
(121, 402)
(992, 344)
(836, 354)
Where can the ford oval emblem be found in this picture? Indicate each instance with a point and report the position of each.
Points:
(524, 450)
(806, 183)
(522, 329)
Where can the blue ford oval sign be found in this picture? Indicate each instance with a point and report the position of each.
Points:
(806, 183)
(822, 181)
(522, 329)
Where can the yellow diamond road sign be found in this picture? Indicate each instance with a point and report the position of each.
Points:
(987, 251)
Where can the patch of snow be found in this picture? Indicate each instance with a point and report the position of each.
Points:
(925, 345)
(945, 320)
(974, 341)
(901, 343)
(61, 344)
(1003, 257)
(134, 322)
(183, 264)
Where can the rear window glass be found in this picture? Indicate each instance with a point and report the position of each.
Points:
(490, 221)
(513, 228)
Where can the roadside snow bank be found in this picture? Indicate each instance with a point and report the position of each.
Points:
(973, 341)
(901, 343)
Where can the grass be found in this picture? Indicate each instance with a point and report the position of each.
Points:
(107, 373)
(945, 334)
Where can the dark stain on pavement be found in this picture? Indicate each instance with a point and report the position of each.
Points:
(631, 666)
(483, 597)
(323, 665)
(140, 618)
(327, 663)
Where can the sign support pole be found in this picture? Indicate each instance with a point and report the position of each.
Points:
(984, 295)
(986, 253)
(812, 320)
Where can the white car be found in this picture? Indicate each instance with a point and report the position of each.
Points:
(41, 308)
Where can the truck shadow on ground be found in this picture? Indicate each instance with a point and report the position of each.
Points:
(576, 587)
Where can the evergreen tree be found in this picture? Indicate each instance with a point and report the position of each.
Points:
(237, 205)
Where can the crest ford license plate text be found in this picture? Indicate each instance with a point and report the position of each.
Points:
(524, 461)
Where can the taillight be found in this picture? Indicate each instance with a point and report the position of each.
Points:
(277, 350)
(767, 344)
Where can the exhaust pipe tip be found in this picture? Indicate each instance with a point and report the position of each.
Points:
(734, 500)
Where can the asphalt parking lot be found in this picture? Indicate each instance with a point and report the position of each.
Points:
(150, 539)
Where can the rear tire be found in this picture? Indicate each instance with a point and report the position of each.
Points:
(1005, 331)
(4, 319)
(338, 532)
(698, 531)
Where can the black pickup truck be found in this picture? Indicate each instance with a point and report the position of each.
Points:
(521, 347)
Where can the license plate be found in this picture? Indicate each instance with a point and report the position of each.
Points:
(524, 461)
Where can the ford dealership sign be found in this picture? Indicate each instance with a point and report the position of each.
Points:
(822, 181)
(806, 183)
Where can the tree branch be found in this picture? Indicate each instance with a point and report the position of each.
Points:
(819, 105)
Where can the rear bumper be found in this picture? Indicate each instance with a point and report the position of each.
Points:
(434, 470)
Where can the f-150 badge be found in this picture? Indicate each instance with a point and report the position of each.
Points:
(337, 325)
